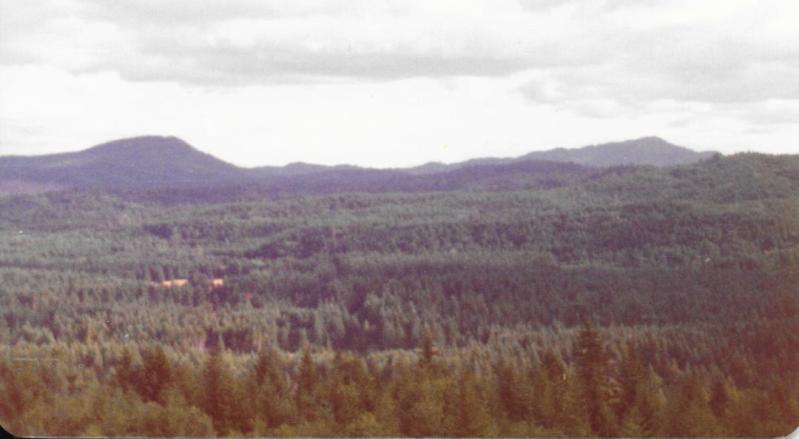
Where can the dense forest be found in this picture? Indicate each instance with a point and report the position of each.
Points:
(509, 300)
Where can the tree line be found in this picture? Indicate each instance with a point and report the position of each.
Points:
(153, 391)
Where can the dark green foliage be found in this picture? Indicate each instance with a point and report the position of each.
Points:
(154, 376)
(343, 395)
(220, 399)
(592, 371)
(447, 313)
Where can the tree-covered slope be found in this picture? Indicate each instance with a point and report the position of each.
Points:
(466, 295)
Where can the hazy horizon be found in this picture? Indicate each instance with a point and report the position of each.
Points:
(307, 162)
(396, 84)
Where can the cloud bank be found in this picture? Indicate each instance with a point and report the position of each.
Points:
(710, 74)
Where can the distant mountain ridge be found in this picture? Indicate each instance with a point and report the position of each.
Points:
(149, 161)
(648, 151)
(652, 151)
(157, 162)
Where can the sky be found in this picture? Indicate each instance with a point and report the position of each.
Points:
(398, 83)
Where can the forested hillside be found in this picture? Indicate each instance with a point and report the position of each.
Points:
(513, 299)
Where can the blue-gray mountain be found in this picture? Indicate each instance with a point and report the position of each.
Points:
(158, 163)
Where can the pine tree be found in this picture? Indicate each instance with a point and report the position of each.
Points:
(271, 394)
(420, 397)
(220, 393)
(155, 374)
(472, 418)
(422, 410)
(124, 372)
(650, 403)
(723, 396)
(689, 412)
(513, 393)
(592, 372)
(348, 388)
(306, 398)
(631, 375)
(549, 385)
(573, 419)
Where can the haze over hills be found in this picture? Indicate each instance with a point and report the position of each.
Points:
(151, 162)
(651, 151)
(644, 151)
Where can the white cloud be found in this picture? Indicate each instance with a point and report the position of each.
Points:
(398, 82)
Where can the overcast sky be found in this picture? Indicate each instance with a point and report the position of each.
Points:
(384, 83)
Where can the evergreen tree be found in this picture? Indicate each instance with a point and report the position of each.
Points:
(592, 372)
(155, 374)
(650, 403)
(124, 371)
(631, 376)
(723, 395)
(219, 391)
(306, 397)
(549, 386)
(689, 413)
(422, 409)
(349, 389)
(271, 391)
(513, 392)
(472, 418)
(573, 419)
(420, 396)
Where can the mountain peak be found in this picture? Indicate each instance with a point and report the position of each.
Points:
(145, 161)
(641, 142)
(646, 142)
(144, 145)
(650, 139)
(142, 139)
(170, 162)
(650, 150)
